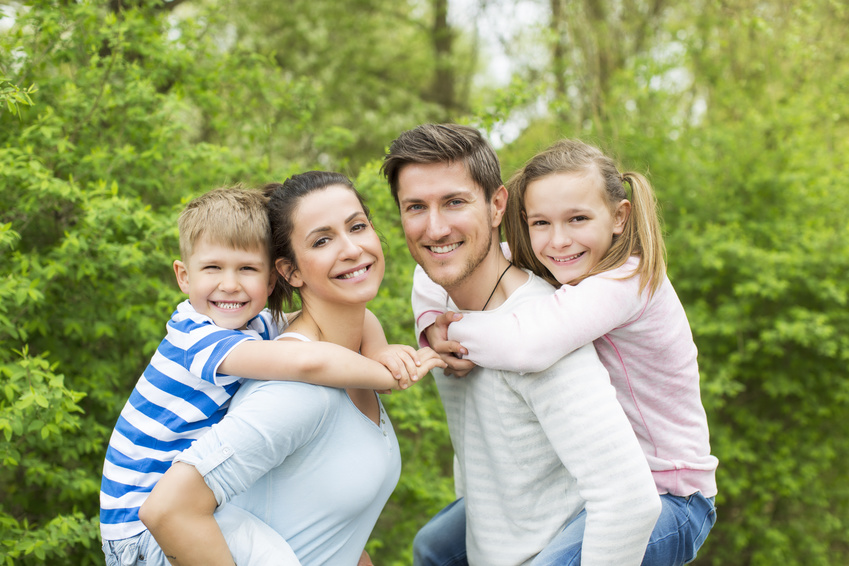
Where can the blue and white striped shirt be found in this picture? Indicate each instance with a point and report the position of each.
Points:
(178, 397)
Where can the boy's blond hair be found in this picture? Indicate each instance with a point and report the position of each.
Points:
(230, 216)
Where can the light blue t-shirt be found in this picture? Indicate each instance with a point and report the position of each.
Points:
(305, 460)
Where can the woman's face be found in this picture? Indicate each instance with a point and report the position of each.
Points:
(338, 254)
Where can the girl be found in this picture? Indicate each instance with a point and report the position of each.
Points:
(314, 463)
(569, 220)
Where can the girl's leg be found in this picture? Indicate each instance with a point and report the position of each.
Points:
(680, 531)
(442, 541)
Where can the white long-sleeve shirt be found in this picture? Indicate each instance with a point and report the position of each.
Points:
(533, 451)
(644, 342)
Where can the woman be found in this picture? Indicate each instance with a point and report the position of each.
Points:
(316, 464)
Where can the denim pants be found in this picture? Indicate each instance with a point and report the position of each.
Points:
(680, 531)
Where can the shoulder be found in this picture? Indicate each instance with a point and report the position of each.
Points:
(284, 403)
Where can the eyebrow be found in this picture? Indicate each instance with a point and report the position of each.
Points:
(449, 196)
(321, 229)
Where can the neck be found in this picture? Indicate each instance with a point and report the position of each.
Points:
(472, 293)
(339, 324)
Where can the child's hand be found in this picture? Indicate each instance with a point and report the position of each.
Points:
(365, 560)
(402, 362)
(428, 359)
(451, 351)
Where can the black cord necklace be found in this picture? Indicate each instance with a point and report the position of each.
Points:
(509, 264)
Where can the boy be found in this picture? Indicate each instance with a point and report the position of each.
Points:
(222, 331)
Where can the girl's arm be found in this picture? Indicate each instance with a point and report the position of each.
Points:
(531, 336)
(429, 302)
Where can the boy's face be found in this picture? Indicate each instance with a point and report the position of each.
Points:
(228, 285)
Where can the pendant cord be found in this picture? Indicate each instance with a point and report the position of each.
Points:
(509, 265)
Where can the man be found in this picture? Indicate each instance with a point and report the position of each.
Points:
(532, 451)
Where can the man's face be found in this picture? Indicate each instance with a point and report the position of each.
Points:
(447, 220)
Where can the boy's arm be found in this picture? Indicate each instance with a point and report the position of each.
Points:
(319, 363)
(399, 359)
(183, 487)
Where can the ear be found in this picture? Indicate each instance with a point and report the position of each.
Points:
(620, 215)
(499, 206)
(272, 281)
(289, 272)
(182, 274)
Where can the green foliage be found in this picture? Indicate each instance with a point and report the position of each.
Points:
(112, 115)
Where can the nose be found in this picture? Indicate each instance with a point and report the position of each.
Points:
(561, 237)
(350, 249)
(229, 282)
(437, 227)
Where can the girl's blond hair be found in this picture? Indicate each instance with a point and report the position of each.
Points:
(641, 236)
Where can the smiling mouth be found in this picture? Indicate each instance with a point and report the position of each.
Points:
(565, 259)
(228, 305)
(444, 249)
(353, 274)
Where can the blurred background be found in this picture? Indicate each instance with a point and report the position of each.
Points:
(113, 114)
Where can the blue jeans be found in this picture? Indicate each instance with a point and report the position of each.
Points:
(680, 531)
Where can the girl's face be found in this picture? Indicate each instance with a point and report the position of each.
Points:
(570, 223)
(338, 254)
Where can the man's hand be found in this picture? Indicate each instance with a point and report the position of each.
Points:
(450, 351)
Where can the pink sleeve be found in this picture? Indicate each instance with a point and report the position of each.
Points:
(429, 301)
(533, 335)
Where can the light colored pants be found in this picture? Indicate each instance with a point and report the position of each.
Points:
(251, 542)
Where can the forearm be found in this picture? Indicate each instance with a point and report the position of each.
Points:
(179, 515)
(540, 331)
(319, 363)
(428, 301)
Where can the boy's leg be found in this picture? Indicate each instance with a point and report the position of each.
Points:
(680, 531)
(140, 550)
(442, 541)
(251, 540)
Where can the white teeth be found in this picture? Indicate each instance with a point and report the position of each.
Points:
(570, 258)
(353, 274)
(229, 306)
(444, 249)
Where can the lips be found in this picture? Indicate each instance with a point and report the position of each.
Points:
(566, 259)
(356, 273)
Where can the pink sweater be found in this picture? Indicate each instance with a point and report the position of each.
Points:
(645, 344)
